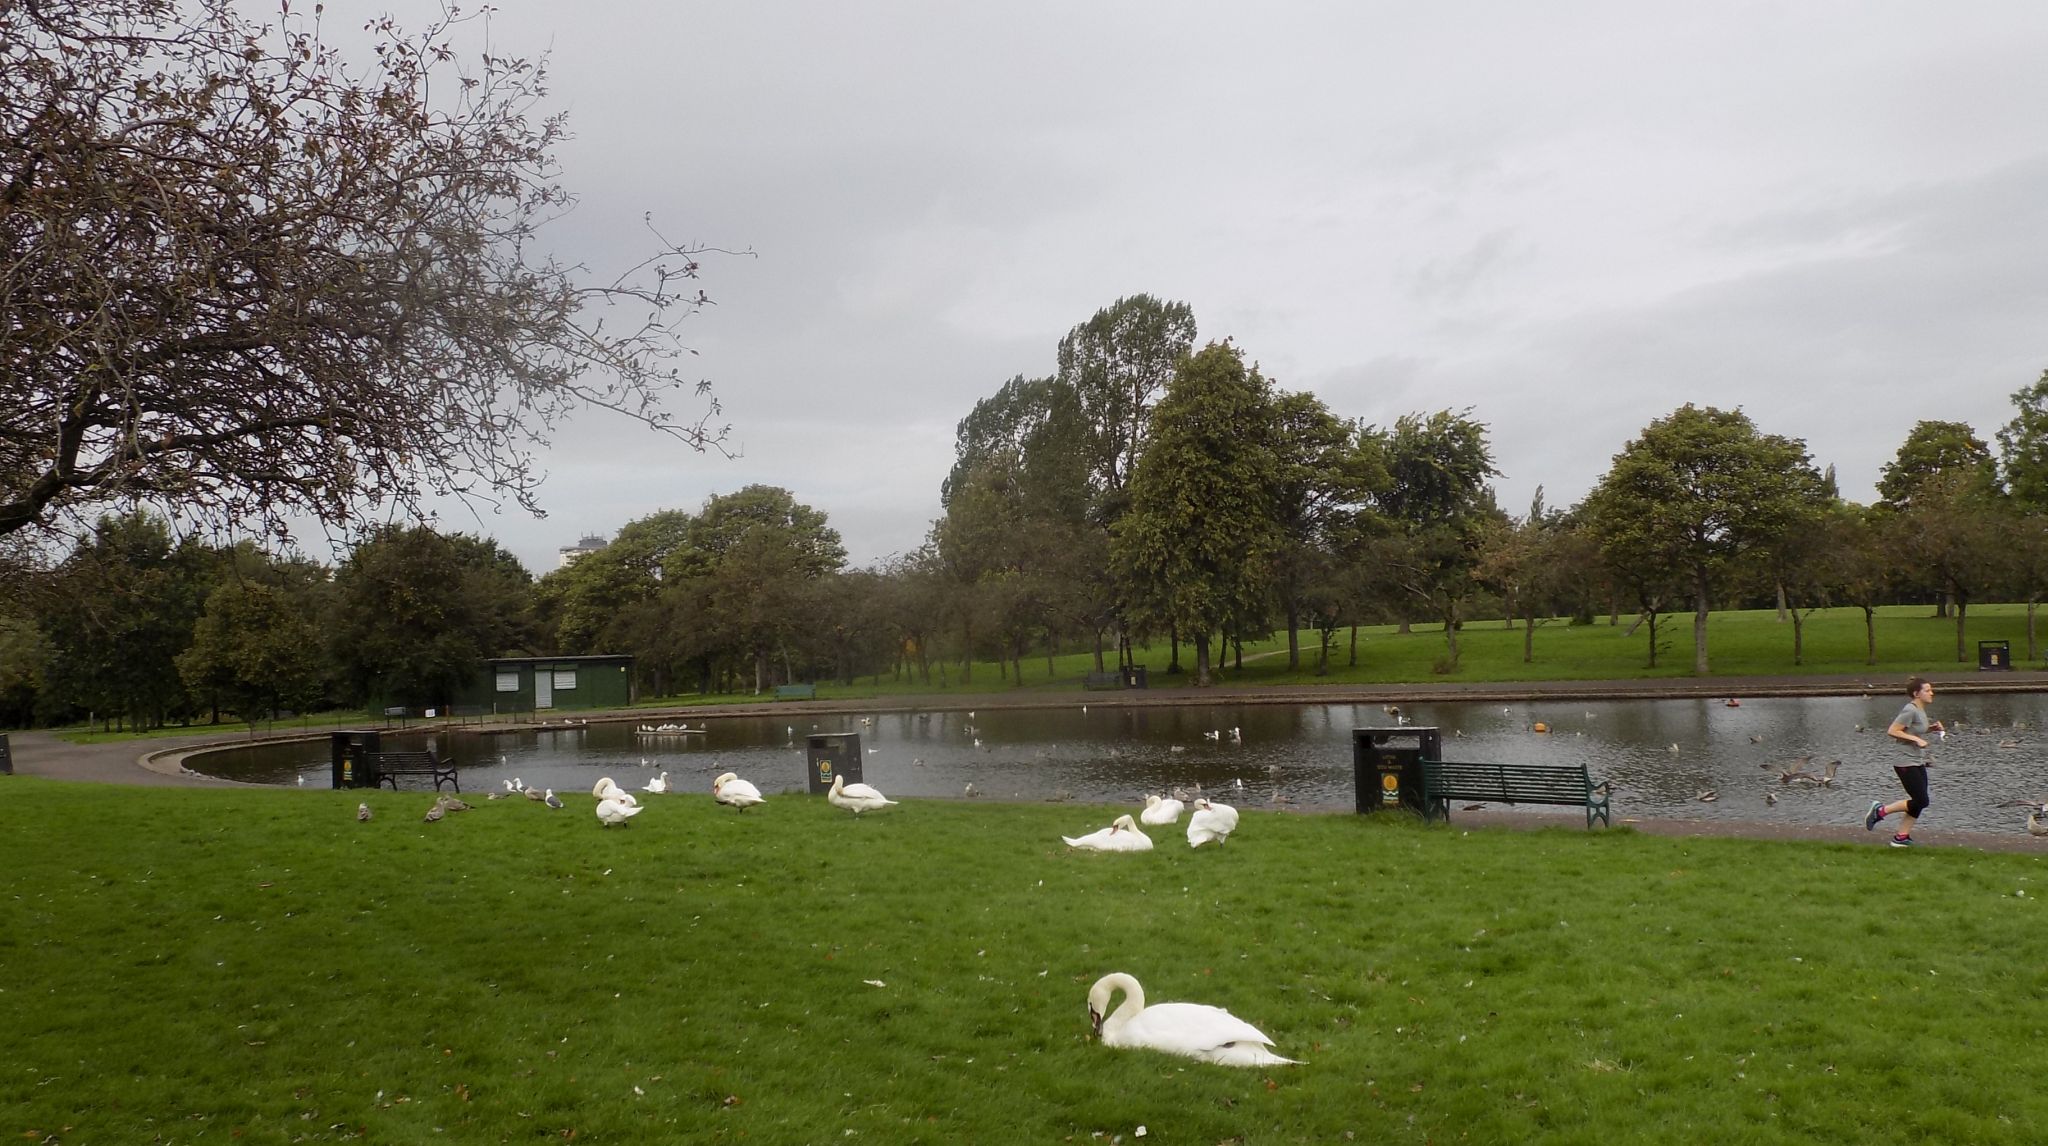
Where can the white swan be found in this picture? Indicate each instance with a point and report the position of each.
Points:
(658, 785)
(855, 798)
(1196, 1030)
(1158, 811)
(730, 789)
(1210, 822)
(615, 811)
(1121, 836)
(606, 790)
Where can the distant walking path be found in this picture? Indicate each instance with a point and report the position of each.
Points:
(155, 762)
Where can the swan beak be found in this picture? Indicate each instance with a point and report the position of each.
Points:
(1095, 1020)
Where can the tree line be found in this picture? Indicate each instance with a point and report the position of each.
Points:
(1148, 492)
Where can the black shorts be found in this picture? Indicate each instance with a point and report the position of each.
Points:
(1914, 779)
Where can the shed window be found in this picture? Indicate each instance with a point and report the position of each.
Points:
(565, 678)
(508, 680)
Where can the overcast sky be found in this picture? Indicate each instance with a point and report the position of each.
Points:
(1571, 217)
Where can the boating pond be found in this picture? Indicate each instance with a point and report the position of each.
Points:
(1691, 759)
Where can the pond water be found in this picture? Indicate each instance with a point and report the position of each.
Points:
(1662, 755)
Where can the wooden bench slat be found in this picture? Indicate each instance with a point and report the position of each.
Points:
(391, 765)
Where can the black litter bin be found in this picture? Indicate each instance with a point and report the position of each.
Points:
(1134, 676)
(6, 758)
(353, 756)
(1387, 765)
(1994, 656)
(830, 754)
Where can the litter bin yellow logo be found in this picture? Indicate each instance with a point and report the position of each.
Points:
(1390, 787)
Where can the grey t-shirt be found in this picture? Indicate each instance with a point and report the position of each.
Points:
(1913, 719)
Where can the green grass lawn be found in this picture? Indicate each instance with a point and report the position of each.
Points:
(255, 966)
(1910, 639)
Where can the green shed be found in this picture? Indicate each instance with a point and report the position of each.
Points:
(542, 684)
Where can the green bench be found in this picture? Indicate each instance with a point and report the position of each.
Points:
(422, 765)
(796, 692)
(1565, 785)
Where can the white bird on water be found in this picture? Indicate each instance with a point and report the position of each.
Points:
(730, 789)
(855, 798)
(1209, 822)
(1121, 836)
(1158, 811)
(615, 811)
(1196, 1030)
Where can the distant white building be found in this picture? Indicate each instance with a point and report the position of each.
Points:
(589, 544)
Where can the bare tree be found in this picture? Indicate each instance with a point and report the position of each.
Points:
(247, 279)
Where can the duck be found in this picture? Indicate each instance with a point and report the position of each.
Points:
(730, 789)
(1158, 811)
(658, 785)
(613, 810)
(1195, 1030)
(855, 798)
(1209, 822)
(2034, 825)
(537, 795)
(1121, 836)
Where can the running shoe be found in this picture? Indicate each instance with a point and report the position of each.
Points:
(1875, 816)
(1902, 841)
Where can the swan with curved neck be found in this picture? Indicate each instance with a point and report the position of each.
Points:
(1197, 1030)
(1121, 836)
(1210, 822)
(1161, 811)
(730, 789)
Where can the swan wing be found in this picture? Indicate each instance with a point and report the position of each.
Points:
(864, 792)
(1196, 1030)
(1093, 841)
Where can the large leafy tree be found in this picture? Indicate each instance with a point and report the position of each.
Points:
(1118, 363)
(1194, 550)
(245, 276)
(1439, 510)
(1322, 478)
(255, 650)
(1686, 500)
(119, 611)
(416, 612)
(1934, 450)
(586, 604)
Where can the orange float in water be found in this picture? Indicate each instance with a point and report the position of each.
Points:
(1731, 702)
(1542, 727)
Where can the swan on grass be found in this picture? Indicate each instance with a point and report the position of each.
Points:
(1121, 836)
(1210, 822)
(658, 785)
(730, 789)
(1197, 1030)
(1158, 811)
(855, 798)
(613, 810)
(605, 789)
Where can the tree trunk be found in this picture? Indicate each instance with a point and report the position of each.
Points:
(1098, 648)
(1869, 635)
(1354, 645)
(1798, 636)
(1173, 636)
(1237, 648)
(1403, 630)
(2032, 604)
(1529, 636)
(1962, 606)
(967, 659)
(1293, 641)
(1781, 608)
(1202, 659)
(1699, 625)
(1651, 617)
(1451, 632)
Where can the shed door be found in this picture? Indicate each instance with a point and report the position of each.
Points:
(543, 687)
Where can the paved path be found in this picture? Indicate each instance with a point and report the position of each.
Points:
(154, 762)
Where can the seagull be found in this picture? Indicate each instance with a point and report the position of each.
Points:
(362, 813)
(1708, 796)
(1770, 797)
(730, 789)
(2034, 825)
(508, 786)
(1673, 749)
(552, 800)
(855, 798)
(434, 813)
(970, 791)
(537, 795)
(302, 779)
(453, 804)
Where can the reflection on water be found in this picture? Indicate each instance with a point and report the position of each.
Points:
(1661, 754)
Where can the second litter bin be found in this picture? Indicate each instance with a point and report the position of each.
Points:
(829, 754)
(1387, 765)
